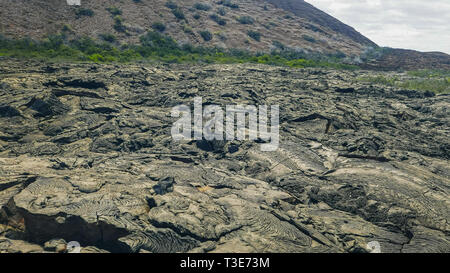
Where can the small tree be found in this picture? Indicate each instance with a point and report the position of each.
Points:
(178, 13)
(216, 18)
(159, 26)
(255, 35)
(206, 35)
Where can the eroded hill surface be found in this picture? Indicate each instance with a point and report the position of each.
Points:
(86, 155)
(245, 24)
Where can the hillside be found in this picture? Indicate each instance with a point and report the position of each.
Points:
(255, 25)
(308, 12)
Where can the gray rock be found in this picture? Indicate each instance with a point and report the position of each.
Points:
(91, 159)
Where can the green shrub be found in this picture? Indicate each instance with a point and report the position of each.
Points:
(118, 24)
(114, 11)
(108, 37)
(202, 6)
(255, 35)
(206, 35)
(278, 45)
(309, 38)
(187, 29)
(221, 36)
(156, 40)
(67, 28)
(222, 11)
(96, 58)
(246, 20)
(179, 14)
(158, 26)
(84, 12)
(228, 3)
(196, 16)
(216, 18)
(171, 5)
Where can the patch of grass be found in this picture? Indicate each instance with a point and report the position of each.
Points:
(429, 73)
(422, 80)
(246, 20)
(438, 86)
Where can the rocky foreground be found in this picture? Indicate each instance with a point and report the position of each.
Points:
(86, 155)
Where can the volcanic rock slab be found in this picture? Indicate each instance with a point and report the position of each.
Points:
(88, 157)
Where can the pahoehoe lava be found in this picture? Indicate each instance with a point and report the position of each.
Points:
(86, 155)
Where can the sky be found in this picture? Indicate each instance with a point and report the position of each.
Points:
(422, 25)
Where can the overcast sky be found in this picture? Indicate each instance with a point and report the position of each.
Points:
(422, 25)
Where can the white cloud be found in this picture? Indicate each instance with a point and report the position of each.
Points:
(413, 24)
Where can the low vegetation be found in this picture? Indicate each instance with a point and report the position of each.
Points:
(171, 5)
(206, 35)
(309, 38)
(108, 37)
(114, 11)
(84, 12)
(436, 81)
(228, 3)
(178, 13)
(153, 46)
(118, 24)
(255, 35)
(219, 20)
(222, 11)
(158, 26)
(202, 6)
